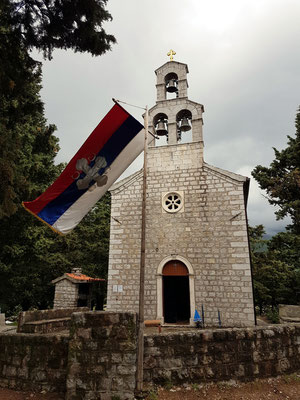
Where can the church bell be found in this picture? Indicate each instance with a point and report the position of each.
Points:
(161, 128)
(184, 125)
(172, 86)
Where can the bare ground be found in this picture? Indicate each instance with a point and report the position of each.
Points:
(283, 388)
(286, 387)
(7, 394)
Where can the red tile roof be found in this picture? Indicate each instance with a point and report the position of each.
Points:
(82, 277)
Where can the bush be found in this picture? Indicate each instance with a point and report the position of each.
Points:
(273, 315)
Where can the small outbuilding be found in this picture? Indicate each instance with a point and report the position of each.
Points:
(75, 290)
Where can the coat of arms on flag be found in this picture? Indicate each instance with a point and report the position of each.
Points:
(108, 151)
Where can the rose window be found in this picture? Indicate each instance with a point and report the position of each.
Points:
(172, 202)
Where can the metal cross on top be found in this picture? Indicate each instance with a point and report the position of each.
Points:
(171, 53)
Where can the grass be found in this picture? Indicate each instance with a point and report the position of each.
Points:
(168, 384)
(291, 378)
(152, 395)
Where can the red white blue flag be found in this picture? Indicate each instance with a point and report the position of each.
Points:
(107, 152)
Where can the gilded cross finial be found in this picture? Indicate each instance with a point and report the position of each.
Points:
(171, 53)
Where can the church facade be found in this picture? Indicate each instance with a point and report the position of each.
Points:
(197, 252)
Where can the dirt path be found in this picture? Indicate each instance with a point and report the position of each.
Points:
(284, 388)
(6, 394)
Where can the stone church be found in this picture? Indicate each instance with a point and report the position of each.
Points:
(197, 253)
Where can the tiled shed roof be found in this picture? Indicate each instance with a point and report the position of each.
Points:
(82, 277)
(77, 278)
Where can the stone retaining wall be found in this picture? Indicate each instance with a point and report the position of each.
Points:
(289, 313)
(33, 362)
(46, 321)
(223, 354)
(98, 361)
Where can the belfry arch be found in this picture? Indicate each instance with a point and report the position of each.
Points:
(183, 123)
(171, 84)
(173, 273)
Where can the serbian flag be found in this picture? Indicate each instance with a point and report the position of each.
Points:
(104, 156)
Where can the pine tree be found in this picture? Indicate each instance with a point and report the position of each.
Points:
(62, 24)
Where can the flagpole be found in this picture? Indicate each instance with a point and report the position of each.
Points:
(140, 349)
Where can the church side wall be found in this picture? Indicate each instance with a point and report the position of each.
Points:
(210, 233)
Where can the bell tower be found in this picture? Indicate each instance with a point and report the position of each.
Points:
(174, 114)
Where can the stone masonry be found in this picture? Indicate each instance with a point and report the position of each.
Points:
(102, 356)
(222, 354)
(98, 359)
(33, 362)
(208, 234)
(66, 294)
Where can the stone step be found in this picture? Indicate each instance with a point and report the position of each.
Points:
(46, 325)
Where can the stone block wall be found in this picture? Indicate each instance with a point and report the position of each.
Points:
(102, 356)
(289, 313)
(124, 248)
(99, 359)
(46, 321)
(224, 354)
(33, 362)
(66, 294)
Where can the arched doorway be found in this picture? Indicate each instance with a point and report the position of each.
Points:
(176, 292)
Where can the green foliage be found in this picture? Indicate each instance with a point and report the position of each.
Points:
(27, 144)
(152, 395)
(286, 245)
(285, 248)
(275, 262)
(291, 378)
(167, 384)
(273, 315)
(63, 24)
(31, 254)
(282, 180)
(195, 387)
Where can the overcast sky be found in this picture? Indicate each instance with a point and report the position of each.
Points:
(244, 67)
